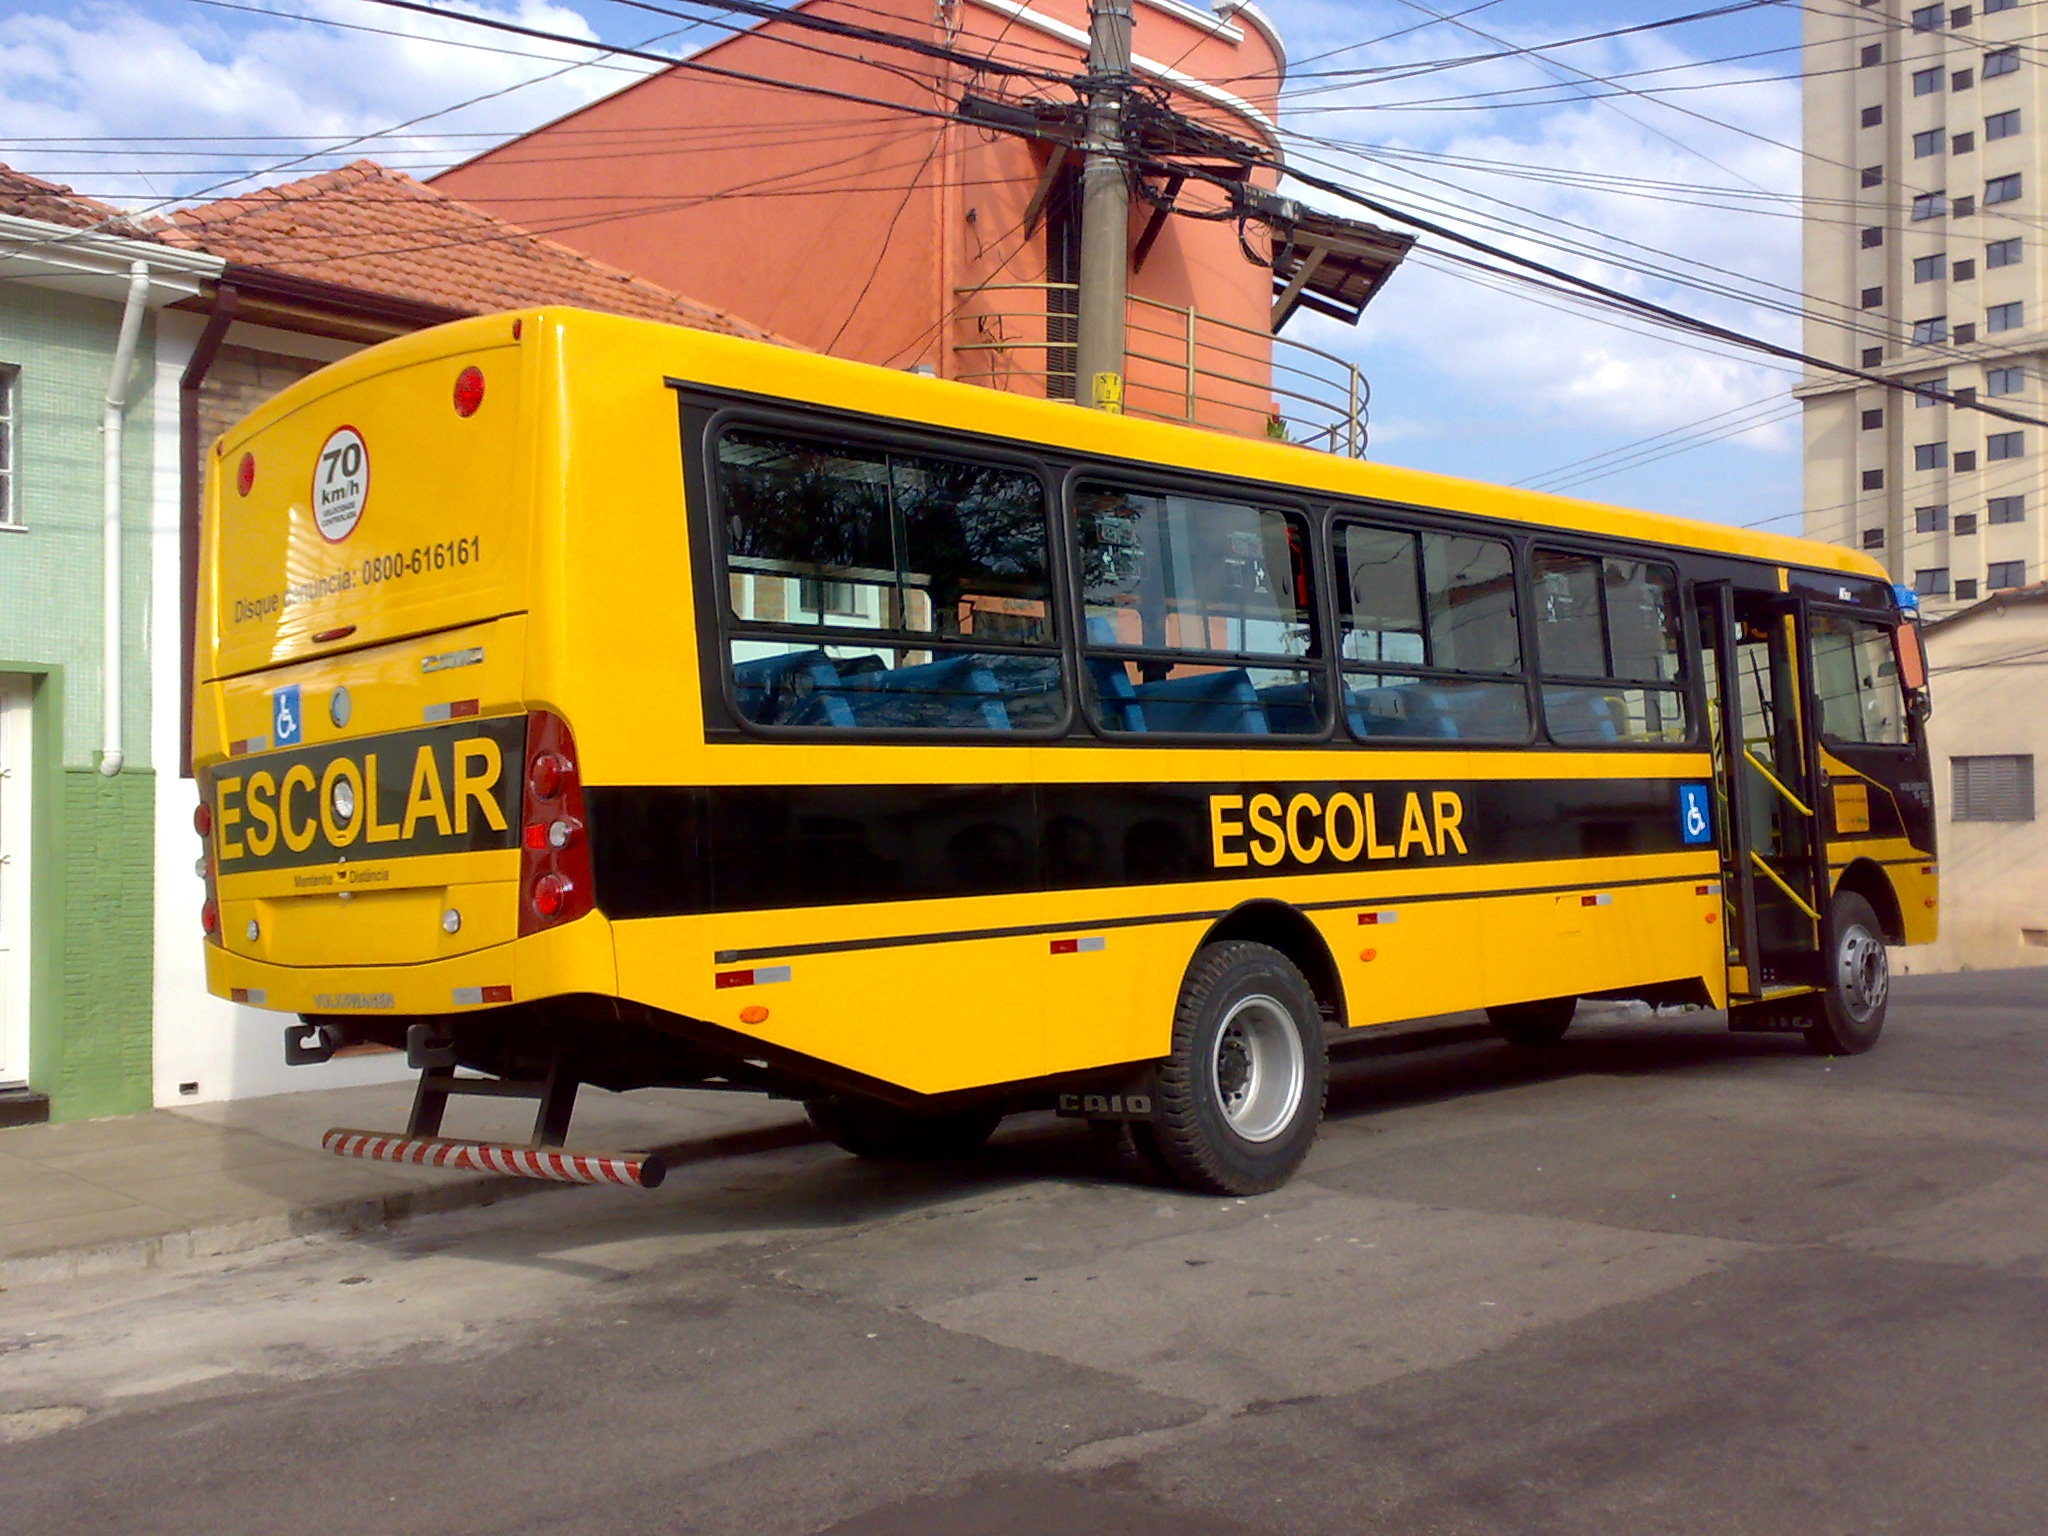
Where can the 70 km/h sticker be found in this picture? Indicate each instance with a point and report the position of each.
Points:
(341, 484)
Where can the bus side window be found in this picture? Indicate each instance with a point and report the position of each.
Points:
(870, 589)
(1199, 616)
(1430, 647)
(1856, 674)
(1610, 648)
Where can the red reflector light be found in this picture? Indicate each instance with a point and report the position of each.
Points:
(245, 474)
(550, 894)
(536, 837)
(469, 391)
(726, 979)
(209, 918)
(326, 636)
(545, 777)
(202, 819)
(497, 994)
(1066, 946)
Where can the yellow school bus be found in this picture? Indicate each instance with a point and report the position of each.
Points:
(582, 700)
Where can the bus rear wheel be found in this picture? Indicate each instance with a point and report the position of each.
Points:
(1847, 1015)
(1533, 1026)
(885, 1133)
(1237, 1103)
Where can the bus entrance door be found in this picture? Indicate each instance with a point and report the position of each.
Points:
(1765, 768)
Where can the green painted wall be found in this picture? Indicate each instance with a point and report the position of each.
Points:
(91, 880)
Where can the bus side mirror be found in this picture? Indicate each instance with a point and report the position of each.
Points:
(1912, 659)
(1920, 704)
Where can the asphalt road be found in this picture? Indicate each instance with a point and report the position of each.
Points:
(1661, 1279)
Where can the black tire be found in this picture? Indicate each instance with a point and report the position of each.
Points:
(884, 1133)
(1534, 1026)
(1236, 1106)
(1846, 1017)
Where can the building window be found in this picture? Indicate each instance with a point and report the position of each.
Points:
(1928, 269)
(2001, 61)
(1992, 7)
(1966, 525)
(1927, 143)
(1991, 788)
(2002, 189)
(1966, 461)
(1963, 271)
(1967, 331)
(2002, 253)
(1873, 236)
(1928, 392)
(1931, 520)
(10, 389)
(2002, 125)
(2005, 317)
(1964, 206)
(1930, 332)
(2003, 575)
(2006, 509)
(1927, 18)
(1931, 583)
(1926, 81)
(1873, 538)
(1873, 357)
(1873, 53)
(2004, 445)
(1873, 479)
(1966, 589)
(1872, 419)
(1929, 205)
(1930, 455)
(1872, 116)
(2004, 381)
(1965, 396)
(1873, 298)
(1959, 17)
(1872, 176)
(1962, 143)
(1961, 80)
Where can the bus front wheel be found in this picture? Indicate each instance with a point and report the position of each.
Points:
(884, 1133)
(1533, 1026)
(1846, 1017)
(1238, 1101)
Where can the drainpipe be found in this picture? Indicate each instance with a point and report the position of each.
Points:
(191, 479)
(111, 756)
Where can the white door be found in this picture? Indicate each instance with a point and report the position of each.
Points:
(14, 825)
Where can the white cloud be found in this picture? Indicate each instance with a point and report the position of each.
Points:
(258, 91)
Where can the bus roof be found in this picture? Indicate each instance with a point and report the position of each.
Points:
(812, 378)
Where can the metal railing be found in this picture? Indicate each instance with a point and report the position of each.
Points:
(1181, 365)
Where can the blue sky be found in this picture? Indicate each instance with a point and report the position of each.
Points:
(145, 100)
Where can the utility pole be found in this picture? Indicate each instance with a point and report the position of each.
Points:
(1105, 211)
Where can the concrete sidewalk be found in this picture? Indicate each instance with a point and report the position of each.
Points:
(96, 1195)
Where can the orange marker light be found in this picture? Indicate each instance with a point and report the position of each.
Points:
(754, 1013)
(1368, 954)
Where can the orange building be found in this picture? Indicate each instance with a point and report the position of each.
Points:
(824, 185)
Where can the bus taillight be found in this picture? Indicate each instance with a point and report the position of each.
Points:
(554, 872)
(202, 823)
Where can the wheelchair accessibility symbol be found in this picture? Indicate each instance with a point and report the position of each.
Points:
(286, 723)
(1695, 814)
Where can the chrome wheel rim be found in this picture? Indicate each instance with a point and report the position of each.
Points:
(1256, 1070)
(1864, 972)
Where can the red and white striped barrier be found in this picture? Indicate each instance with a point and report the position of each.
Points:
(643, 1170)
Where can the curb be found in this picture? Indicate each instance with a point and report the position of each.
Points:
(358, 1213)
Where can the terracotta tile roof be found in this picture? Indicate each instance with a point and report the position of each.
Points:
(31, 197)
(380, 231)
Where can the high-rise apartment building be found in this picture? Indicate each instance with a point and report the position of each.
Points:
(1925, 187)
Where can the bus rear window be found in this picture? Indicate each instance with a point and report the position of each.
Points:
(883, 590)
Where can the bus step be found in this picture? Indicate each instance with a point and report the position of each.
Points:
(636, 1170)
(1769, 1014)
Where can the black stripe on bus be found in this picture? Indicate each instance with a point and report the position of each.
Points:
(1101, 924)
(672, 851)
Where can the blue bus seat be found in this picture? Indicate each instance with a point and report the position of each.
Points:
(1207, 703)
(1401, 709)
(959, 693)
(1580, 715)
(1292, 709)
(1113, 691)
(768, 689)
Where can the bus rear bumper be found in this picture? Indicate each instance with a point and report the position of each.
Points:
(577, 957)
